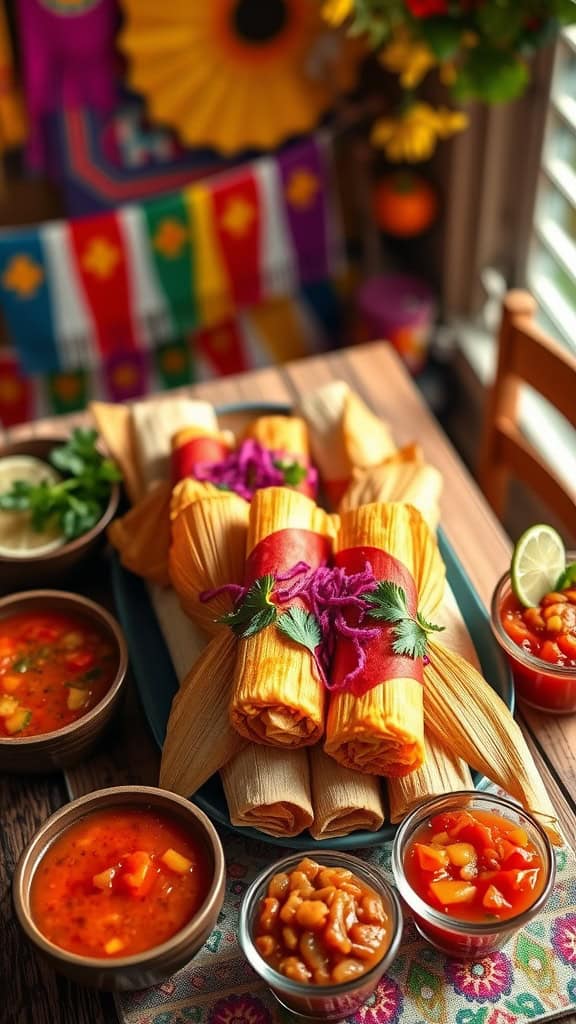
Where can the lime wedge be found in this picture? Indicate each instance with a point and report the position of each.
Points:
(538, 560)
(567, 578)
(17, 537)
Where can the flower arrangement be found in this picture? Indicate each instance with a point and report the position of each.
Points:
(478, 48)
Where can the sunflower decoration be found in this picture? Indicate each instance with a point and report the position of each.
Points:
(236, 74)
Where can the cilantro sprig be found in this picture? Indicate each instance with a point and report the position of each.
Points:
(293, 472)
(255, 611)
(388, 604)
(75, 503)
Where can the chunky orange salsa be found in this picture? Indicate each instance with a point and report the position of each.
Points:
(54, 667)
(547, 631)
(321, 925)
(119, 882)
(475, 866)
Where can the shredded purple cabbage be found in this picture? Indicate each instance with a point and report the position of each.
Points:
(248, 468)
(328, 593)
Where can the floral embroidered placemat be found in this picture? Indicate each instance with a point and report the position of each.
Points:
(532, 978)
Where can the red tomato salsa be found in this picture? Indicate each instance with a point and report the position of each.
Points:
(54, 667)
(547, 632)
(475, 866)
(119, 882)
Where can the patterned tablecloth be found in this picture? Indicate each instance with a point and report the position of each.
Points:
(532, 978)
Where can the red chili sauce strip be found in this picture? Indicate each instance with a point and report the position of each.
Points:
(547, 631)
(475, 866)
(54, 667)
(119, 882)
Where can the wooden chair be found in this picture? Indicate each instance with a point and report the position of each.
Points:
(526, 355)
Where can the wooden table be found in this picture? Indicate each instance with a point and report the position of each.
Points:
(29, 992)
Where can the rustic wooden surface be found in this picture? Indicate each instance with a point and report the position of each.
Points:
(30, 993)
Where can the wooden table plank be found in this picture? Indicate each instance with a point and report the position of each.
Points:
(129, 753)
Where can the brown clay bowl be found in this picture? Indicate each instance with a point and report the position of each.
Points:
(42, 570)
(153, 965)
(66, 746)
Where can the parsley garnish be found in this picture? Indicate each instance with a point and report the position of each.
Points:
(388, 604)
(255, 611)
(304, 629)
(293, 472)
(75, 503)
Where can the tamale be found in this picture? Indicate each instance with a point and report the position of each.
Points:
(281, 433)
(441, 772)
(197, 443)
(278, 694)
(208, 551)
(344, 435)
(187, 491)
(269, 789)
(114, 424)
(344, 801)
(464, 712)
(398, 478)
(379, 728)
(199, 738)
(155, 421)
(142, 536)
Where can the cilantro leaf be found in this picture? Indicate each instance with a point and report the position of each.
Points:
(388, 603)
(293, 472)
(302, 627)
(255, 611)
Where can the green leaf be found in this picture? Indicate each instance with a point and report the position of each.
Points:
(388, 602)
(293, 472)
(500, 23)
(567, 578)
(442, 35)
(409, 638)
(255, 611)
(429, 627)
(494, 76)
(302, 627)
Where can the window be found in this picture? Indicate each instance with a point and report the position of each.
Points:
(551, 269)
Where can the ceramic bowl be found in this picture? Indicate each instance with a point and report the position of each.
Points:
(453, 936)
(43, 570)
(158, 963)
(320, 1002)
(64, 747)
(541, 684)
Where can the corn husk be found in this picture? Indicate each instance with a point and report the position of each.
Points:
(344, 435)
(114, 425)
(464, 712)
(142, 536)
(278, 696)
(155, 421)
(281, 433)
(269, 790)
(187, 491)
(344, 801)
(441, 772)
(405, 477)
(209, 550)
(184, 639)
(199, 737)
(382, 731)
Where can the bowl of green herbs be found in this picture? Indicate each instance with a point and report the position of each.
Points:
(57, 496)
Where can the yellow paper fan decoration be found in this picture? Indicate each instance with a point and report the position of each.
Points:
(236, 74)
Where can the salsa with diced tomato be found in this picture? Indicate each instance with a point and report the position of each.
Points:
(119, 882)
(476, 866)
(54, 667)
(546, 632)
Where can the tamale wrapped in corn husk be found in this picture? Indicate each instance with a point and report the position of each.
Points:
(184, 639)
(281, 433)
(399, 478)
(195, 443)
(114, 425)
(278, 697)
(208, 551)
(379, 728)
(269, 789)
(344, 801)
(187, 491)
(155, 421)
(199, 737)
(344, 435)
(441, 772)
(465, 713)
(142, 536)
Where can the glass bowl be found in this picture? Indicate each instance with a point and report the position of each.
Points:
(541, 684)
(309, 1001)
(453, 936)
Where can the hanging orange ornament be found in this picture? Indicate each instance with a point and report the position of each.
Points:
(405, 204)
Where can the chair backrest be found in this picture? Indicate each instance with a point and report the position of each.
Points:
(526, 355)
